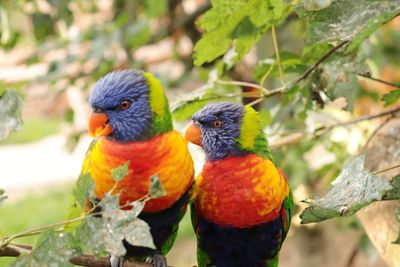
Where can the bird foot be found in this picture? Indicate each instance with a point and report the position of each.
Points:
(116, 261)
(158, 260)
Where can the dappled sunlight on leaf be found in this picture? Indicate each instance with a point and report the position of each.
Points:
(354, 188)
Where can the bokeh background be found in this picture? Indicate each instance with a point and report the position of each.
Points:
(53, 51)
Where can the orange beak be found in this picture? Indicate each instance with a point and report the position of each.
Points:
(98, 125)
(193, 134)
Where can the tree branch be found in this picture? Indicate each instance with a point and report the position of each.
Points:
(367, 76)
(322, 59)
(298, 136)
(15, 250)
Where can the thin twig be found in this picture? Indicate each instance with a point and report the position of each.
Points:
(368, 117)
(255, 102)
(38, 230)
(387, 169)
(378, 80)
(300, 135)
(239, 83)
(278, 58)
(322, 59)
(15, 250)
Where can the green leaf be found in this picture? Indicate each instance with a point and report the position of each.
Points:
(188, 104)
(391, 97)
(120, 172)
(106, 233)
(353, 189)
(346, 19)
(82, 189)
(51, 249)
(156, 188)
(10, 112)
(244, 21)
(290, 63)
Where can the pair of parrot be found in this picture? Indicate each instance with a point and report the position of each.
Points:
(241, 204)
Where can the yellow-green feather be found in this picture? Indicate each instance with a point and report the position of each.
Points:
(157, 96)
(251, 127)
(162, 121)
(252, 137)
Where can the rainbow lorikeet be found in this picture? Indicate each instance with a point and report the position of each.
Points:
(243, 204)
(132, 122)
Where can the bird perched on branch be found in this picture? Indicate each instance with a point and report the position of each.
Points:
(243, 204)
(131, 121)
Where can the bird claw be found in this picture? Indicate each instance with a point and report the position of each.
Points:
(158, 260)
(116, 261)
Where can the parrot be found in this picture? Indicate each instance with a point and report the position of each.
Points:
(131, 121)
(242, 203)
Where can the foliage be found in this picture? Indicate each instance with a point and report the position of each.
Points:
(392, 97)
(120, 172)
(353, 189)
(242, 21)
(103, 229)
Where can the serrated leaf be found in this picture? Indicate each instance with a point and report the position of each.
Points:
(10, 112)
(156, 188)
(84, 185)
(108, 232)
(391, 97)
(337, 22)
(120, 172)
(353, 189)
(243, 21)
(51, 249)
(188, 104)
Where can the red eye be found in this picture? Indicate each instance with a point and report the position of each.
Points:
(217, 124)
(124, 104)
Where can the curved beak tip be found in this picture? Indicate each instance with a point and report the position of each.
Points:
(193, 134)
(98, 125)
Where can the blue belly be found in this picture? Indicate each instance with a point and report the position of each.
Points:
(241, 247)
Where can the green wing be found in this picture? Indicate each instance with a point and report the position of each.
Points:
(286, 216)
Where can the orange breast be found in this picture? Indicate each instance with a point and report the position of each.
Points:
(165, 155)
(240, 191)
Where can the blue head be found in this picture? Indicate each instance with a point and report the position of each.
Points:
(121, 103)
(226, 130)
(220, 126)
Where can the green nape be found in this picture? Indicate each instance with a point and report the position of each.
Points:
(162, 120)
(252, 138)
